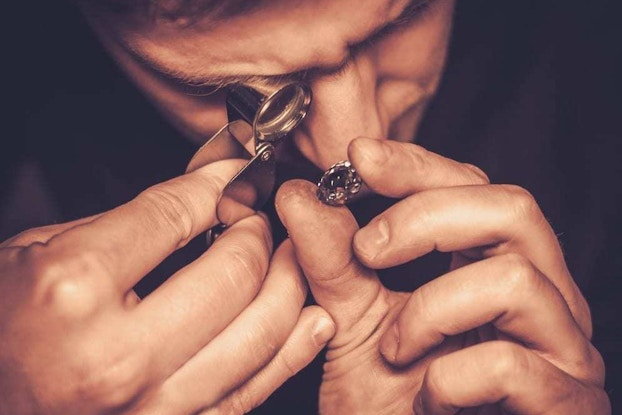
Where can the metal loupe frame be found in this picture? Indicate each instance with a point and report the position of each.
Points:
(243, 138)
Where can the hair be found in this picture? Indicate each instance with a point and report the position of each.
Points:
(183, 12)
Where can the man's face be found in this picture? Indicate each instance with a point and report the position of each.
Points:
(372, 65)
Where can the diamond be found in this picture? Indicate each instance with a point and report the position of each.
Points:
(338, 184)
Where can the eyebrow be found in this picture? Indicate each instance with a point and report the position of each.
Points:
(412, 10)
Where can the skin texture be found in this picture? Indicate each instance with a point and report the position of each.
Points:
(73, 315)
(381, 91)
(505, 331)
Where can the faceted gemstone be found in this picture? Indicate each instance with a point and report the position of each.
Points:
(338, 184)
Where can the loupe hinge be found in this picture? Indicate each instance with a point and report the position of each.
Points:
(258, 122)
(265, 150)
(250, 188)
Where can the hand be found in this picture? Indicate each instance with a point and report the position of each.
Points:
(218, 337)
(506, 330)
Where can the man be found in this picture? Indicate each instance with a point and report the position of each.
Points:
(506, 329)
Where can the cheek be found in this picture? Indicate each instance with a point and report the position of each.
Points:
(409, 65)
(197, 118)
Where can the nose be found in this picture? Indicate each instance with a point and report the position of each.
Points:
(344, 107)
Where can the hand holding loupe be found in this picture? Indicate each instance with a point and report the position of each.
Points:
(257, 123)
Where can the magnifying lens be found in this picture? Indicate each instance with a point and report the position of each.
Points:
(257, 122)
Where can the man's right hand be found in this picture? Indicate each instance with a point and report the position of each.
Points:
(218, 337)
(505, 330)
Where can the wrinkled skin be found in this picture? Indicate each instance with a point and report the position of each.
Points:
(505, 331)
(75, 325)
(217, 338)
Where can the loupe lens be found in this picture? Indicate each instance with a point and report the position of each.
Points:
(281, 112)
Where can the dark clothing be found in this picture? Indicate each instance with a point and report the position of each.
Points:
(528, 95)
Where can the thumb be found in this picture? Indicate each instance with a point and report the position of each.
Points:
(322, 239)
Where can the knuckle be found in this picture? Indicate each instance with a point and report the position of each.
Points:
(242, 401)
(248, 254)
(246, 264)
(261, 228)
(479, 176)
(23, 238)
(597, 363)
(520, 277)
(168, 206)
(67, 285)
(589, 365)
(71, 299)
(112, 383)
(269, 339)
(418, 158)
(508, 360)
(524, 204)
(289, 364)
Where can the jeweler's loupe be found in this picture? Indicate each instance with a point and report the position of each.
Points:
(257, 123)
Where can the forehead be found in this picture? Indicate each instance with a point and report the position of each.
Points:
(281, 37)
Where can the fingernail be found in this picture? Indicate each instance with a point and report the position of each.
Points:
(390, 343)
(323, 331)
(372, 239)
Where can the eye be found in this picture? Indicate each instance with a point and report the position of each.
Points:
(409, 16)
(412, 12)
(199, 90)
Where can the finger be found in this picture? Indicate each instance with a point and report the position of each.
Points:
(130, 240)
(322, 238)
(44, 233)
(495, 218)
(313, 330)
(506, 291)
(382, 163)
(507, 374)
(201, 299)
(247, 344)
